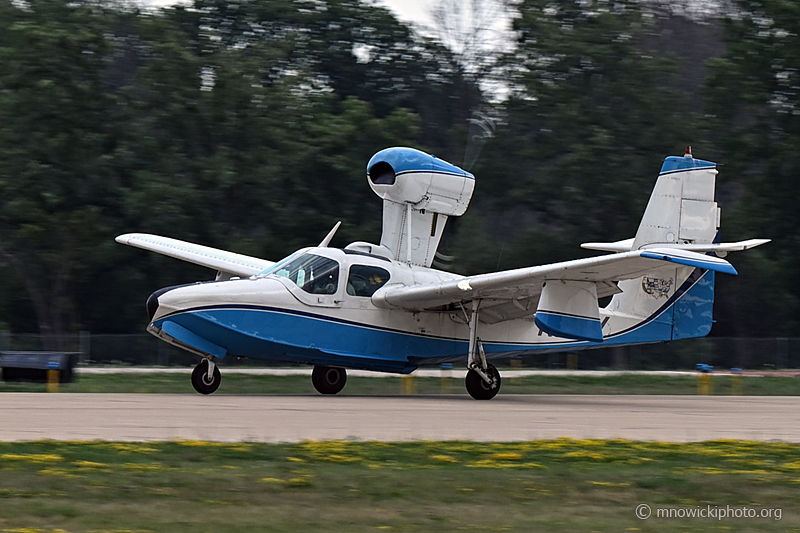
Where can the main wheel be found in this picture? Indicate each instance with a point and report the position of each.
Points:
(328, 379)
(479, 389)
(200, 380)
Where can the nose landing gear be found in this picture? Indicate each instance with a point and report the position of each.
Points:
(206, 377)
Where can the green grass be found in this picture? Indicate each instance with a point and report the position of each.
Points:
(550, 384)
(550, 485)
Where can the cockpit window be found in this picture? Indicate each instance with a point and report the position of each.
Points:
(364, 280)
(280, 264)
(312, 273)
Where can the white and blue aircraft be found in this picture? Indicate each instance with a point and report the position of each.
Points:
(382, 307)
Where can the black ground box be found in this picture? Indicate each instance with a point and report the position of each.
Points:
(33, 366)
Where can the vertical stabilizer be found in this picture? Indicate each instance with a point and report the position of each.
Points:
(682, 207)
(673, 302)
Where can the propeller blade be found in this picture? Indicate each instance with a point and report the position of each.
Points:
(481, 129)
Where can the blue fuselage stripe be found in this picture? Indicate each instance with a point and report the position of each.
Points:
(271, 333)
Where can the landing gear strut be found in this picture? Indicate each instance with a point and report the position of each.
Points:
(206, 377)
(483, 379)
(328, 379)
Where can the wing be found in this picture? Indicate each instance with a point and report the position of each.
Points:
(227, 263)
(514, 293)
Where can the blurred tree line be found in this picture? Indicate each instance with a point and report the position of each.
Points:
(247, 125)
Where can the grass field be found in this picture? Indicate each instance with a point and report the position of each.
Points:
(550, 384)
(551, 485)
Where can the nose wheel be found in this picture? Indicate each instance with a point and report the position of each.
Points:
(206, 377)
(328, 379)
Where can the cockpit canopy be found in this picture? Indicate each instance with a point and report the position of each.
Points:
(316, 274)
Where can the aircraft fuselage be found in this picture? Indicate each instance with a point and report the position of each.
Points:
(325, 313)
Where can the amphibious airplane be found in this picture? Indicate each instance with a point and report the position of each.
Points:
(382, 307)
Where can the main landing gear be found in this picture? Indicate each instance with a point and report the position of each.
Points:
(206, 377)
(328, 379)
(483, 379)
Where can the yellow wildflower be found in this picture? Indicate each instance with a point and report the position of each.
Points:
(443, 458)
(35, 458)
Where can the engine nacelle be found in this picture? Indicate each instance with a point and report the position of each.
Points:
(408, 176)
(419, 192)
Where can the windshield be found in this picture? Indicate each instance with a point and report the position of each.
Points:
(312, 273)
(280, 264)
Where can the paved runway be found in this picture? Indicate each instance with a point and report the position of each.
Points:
(145, 417)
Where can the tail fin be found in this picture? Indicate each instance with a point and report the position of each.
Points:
(681, 209)
(672, 302)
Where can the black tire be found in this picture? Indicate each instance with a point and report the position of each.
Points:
(328, 379)
(200, 378)
(479, 389)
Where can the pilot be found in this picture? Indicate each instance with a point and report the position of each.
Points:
(358, 285)
(370, 285)
(374, 283)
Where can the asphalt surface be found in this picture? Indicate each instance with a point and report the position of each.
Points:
(425, 372)
(420, 373)
(147, 417)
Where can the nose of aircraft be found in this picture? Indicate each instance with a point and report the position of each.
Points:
(152, 304)
(152, 300)
(247, 292)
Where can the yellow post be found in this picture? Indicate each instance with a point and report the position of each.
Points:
(409, 384)
(572, 361)
(736, 381)
(516, 364)
(447, 378)
(53, 377)
(704, 387)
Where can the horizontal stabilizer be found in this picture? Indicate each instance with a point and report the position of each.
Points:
(625, 246)
(713, 247)
(618, 246)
